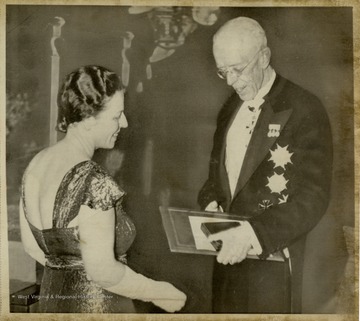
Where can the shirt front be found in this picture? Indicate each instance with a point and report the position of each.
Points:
(240, 132)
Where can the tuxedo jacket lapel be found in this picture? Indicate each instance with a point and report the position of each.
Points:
(260, 143)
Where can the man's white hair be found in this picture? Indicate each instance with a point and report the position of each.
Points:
(243, 30)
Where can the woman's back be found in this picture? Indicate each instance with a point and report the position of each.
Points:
(41, 183)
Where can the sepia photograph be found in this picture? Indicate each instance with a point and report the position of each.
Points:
(166, 158)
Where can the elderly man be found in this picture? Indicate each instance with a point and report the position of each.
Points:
(271, 161)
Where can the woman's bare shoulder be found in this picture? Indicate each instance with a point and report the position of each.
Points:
(40, 162)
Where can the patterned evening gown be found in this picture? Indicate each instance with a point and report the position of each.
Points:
(65, 286)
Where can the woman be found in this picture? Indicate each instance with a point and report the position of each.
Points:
(67, 210)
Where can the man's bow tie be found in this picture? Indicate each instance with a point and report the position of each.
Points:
(254, 104)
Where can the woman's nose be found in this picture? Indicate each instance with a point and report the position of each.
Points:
(123, 121)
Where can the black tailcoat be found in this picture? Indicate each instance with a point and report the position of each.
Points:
(284, 184)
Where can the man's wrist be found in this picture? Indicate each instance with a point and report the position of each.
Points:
(255, 244)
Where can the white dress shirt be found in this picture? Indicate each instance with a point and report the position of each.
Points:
(237, 142)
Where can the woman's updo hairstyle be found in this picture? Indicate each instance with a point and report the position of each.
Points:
(84, 93)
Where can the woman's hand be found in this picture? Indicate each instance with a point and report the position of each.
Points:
(170, 305)
(175, 299)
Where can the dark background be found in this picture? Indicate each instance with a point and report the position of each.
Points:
(172, 121)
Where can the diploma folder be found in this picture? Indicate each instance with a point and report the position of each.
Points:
(184, 230)
(215, 227)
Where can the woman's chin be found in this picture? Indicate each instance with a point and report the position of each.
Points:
(108, 146)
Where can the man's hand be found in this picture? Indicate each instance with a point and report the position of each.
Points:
(213, 207)
(236, 243)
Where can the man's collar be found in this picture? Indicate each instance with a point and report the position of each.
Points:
(254, 104)
(263, 91)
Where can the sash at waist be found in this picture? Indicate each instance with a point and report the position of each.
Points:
(72, 262)
(64, 262)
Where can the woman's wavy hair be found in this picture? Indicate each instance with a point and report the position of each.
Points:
(84, 93)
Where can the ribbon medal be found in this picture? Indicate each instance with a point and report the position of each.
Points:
(274, 130)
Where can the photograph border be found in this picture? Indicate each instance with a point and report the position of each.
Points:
(4, 282)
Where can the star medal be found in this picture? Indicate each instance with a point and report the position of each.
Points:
(277, 183)
(265, 204)
(281, 156)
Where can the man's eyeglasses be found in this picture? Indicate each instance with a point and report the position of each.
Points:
(222, 72)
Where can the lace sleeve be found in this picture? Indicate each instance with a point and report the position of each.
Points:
(102, 192)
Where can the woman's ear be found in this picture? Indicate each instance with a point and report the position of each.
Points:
(89, 122)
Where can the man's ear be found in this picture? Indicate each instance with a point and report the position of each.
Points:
(265, 57)
(89, 122)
